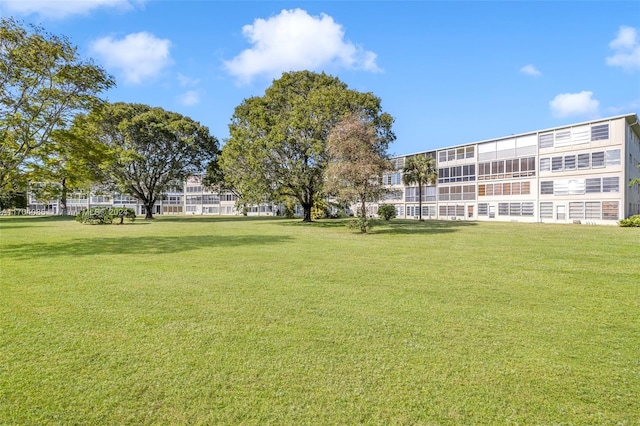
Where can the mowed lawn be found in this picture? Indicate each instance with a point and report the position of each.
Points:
(202, 320)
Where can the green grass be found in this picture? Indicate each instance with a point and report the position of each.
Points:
(270, 321)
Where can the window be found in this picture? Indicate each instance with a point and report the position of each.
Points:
(545, 164)
(469, 192)
(546, 210)
(576, 186)
(455, 193)
(545, 140)
(563, 137)
(584, 161)
(610, 210)
(503, 209)
(556, 164)
(597, 159)
(561, 187)
(470, 151)
(569, 162)
(442, 156)
(515, 209)
(576, 210)
(611, 184)
(451, 155)
(546, 187)
(593, 185)
(613, 157)
(600, 132)
(527, 209)
(460, 154)
(483, 209)
(592, 210)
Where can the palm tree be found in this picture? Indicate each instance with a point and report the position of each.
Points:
(420, 169)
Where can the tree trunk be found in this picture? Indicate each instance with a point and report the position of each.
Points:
(63, 197)
(363, 212)
(148, 209)
(306, 208)
(419, 202)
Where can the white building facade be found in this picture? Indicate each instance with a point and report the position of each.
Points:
(578, 173)
(571, 174)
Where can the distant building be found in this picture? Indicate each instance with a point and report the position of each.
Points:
(578, 173)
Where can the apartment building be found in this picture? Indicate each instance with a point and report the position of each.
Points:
(578, 173)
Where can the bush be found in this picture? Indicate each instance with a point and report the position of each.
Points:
(387, 211)
(364, 224)
(633, 221)
(105, 215)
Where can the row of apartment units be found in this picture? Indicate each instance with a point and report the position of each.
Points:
(578, 173)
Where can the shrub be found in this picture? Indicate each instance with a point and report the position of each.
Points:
(387, 211)
(319, 210)
(364, 224)
(633, 221)
(105, 215)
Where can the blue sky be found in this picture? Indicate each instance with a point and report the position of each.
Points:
(449, 72)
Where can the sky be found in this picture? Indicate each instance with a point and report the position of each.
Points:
(449, 72)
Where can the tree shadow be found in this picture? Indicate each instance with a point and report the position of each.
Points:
(214, 218)
(395, 226)
(428, 226)
(133, 245)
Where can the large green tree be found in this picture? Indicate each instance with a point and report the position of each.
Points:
(277, 146)
(420, 169)
(43, 85)
(150, 149)
(358, 158)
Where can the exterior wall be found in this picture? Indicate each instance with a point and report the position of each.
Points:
(571, 174)
(578, 173)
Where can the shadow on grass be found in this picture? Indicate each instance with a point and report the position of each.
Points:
(214, 218)
(397, 226)
(428, 226)
(133, 245)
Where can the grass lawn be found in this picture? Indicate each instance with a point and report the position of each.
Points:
(201, 320)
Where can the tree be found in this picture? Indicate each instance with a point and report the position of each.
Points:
(636, 181)
(358, 158)
(421, 170)
(277, 146)
(150, 149)
(73, 161)
(43, 84)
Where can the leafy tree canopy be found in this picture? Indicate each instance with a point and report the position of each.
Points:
(358, 158)
(421, 170)
(150, 149)
(43, 84)
(277, 146)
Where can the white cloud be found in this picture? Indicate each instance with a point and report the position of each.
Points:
(61, 9)
(570, 104)
(137, 56)
(186, 81)
(189, 98)
(530, 70)
(293, 41)
(626, 50)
